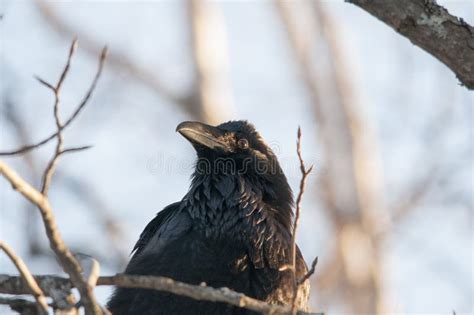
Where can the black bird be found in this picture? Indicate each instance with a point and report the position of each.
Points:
(232, 229)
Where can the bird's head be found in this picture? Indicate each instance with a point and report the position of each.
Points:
(235, 148)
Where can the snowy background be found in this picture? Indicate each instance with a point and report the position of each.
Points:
(420, 114)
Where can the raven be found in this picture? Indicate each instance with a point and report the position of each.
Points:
(232, 229)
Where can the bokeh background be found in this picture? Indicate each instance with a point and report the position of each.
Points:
(389, 207)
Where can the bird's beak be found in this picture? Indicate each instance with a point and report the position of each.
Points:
(202, 135)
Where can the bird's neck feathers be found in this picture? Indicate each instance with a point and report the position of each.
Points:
(219, 203)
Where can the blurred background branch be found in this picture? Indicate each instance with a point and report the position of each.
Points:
(120, 62)
(355, 205)
(210, 98)
(209, 47)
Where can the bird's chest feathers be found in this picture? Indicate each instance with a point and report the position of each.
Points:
(231, 211)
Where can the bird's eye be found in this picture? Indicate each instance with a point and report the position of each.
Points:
(243, 143)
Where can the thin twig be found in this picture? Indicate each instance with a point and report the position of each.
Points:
(48, 174)
(75, 149)
(310, 272)
(304, 174)
(44, 82)
(72, 50)
(27, 277)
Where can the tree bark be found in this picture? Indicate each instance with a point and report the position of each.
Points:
(49, 284)
(430, 26)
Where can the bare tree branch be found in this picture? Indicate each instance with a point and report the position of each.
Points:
(15, 285)
(90, 197)
(310, 271)
(59, 289)
(197, 292)
(48, 174)
(64, 255)
(432, 28)
(67, 260)
(304, 174)
(48, 85)
(75, 149)
(23, 187)
(74, 115)
(27, 277)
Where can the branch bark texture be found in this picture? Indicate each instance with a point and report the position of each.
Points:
(431, 27)
(16, 285)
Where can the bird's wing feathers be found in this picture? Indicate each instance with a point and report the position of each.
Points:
(153, 226)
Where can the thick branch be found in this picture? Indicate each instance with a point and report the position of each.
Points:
(430, 26)
(14, 285)
(20, 185)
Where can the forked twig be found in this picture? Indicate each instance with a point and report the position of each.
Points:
(48, 174)
(74, 115)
